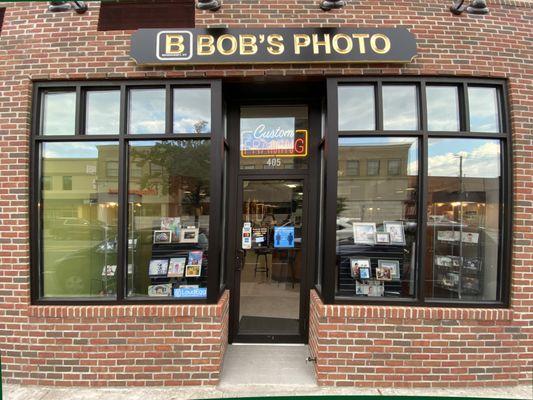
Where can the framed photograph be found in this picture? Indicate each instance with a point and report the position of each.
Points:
(158, 267)
(361, 288)
(473, 264)
(356, 264)
(176, 267)
(364, 273)
(195, 257)
(443, 261)
(162, 237)
(453, 279)
(456, 261)
(376, 288)
(172, 224)
(395, 230)
(393, 266)
(364, 232)
(383, 274)
(193, 270)
(470, 283)
(470, 237)
(382, 238)
(109, 270)
(189, 235)
(162, 290)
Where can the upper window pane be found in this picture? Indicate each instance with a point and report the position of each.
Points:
(103, 112)
(376, 218)
(274, 137)
(463, 237)
(484, 110)
(79, 213)
(59, 113)
(400, 110)
(443, 108)
(357, 108)
(168, 224)
(146, 111)
(192, 110)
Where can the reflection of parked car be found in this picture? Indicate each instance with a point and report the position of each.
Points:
(74, 228)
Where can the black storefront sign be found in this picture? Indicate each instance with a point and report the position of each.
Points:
(271, 45)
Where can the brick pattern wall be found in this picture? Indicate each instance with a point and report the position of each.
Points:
(37, 45)
(117, 345)
(375, 346)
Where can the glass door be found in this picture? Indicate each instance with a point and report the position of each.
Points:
(272, 267)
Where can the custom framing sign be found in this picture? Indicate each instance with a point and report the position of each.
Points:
(272, 45)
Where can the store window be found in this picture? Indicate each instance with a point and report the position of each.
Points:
(160, 249)
(79, 227)
(357, 108)
(168, 224)
(377, 219)
(450, 250)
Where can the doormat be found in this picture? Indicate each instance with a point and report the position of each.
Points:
(249, 324)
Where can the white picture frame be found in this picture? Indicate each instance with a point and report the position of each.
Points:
(393, 265)
(356, 264)
(364, 232)
(162, 236)
(160, 290)
(395, 231)
(382, 238)
(470, 237)
(158, 267)
(189, 235)
(193, 270)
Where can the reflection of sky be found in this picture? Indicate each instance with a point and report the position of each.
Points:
(481, 158)
(147, 111)
(356, 108)
(412, 157)
(59, 113)
(192, 106)
(399, 107)
(103, 112)
(483, 106)
(74, 149)
(442, 108)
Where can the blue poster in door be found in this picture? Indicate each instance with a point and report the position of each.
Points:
(284, 236)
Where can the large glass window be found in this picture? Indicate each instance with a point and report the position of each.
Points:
(463, 233)
(377, 219)
(168, 224)
(357, 108)
(461, 225)
(159, 250)
(79, 219)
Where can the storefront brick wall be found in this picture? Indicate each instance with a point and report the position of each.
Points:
(128, 345)
(383, 346)
(152, 345)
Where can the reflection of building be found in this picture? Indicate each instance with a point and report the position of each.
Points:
(375, 182)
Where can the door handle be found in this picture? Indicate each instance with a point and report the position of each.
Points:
(239, 259)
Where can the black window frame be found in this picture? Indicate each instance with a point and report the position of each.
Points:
(215, 137)
(328, 284)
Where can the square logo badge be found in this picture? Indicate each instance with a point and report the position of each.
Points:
(174, 45)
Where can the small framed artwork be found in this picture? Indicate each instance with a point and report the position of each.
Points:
(356, 264)
(456, 261)
(473, 264)
(176, 267)
(364, 232)
(382, 238)
(470, 237)
(443, 261)
(162, 237)
(361, 288)
(383, 274)
(364, 273)
(396, 232)
(162, 290)
(109, 270)
(189, 235)
(193, 270)
(158, 267)
(195, 257)
(470, 283)
(376, 288)
(393, 266)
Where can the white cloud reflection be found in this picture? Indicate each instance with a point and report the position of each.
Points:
(400, 111)
(59, 113)
(356, 108)
(483, 105)
(442, 108)
(103, 112)
(147, 111)
(192, 107)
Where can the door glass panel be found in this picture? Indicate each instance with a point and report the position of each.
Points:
(274, 137)
(272, 215)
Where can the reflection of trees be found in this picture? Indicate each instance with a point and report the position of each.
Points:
(199, 126)
(183, 167)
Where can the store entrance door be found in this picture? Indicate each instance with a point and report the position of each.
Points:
(271, 260)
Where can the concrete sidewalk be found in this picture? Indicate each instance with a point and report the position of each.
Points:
(16, 392)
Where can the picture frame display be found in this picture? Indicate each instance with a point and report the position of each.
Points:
(470, 237)
(189, 235)
(193, 271)
(365, 273)
(396, 232)
(382, 238)
(364, 232)
(176, 267)
(393, 266)
(162, 237)
(376, 288)
(161, 290)
(172, 224)
(383, 273)
(158, 267)
(109, 270)
(356, 264)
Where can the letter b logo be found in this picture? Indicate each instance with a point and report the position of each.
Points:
(174, 45)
